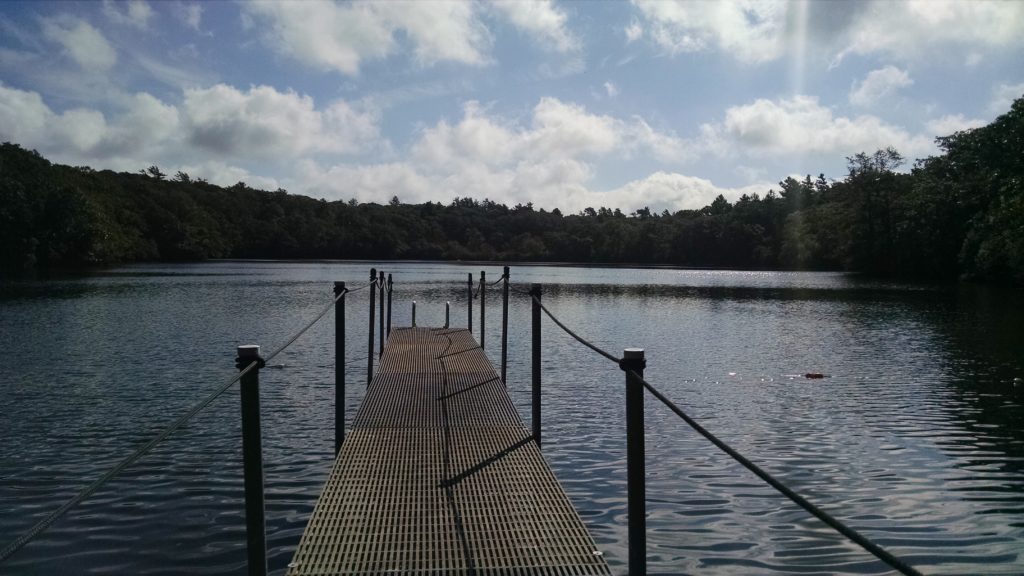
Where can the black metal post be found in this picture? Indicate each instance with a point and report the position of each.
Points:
(469, 302)
(369, 351)
(483, 309)
(339, 366)
(390, 288)
(535, 292)
(447, 314)
(381, 287)
(504, 329)
(413, 313)
(252, 460)
(633, 362)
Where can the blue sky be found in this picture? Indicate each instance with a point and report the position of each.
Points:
(563, 104)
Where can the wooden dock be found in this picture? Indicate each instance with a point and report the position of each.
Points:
(438, 475)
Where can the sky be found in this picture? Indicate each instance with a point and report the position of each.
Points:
(562, 104)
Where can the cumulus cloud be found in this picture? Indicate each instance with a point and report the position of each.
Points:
(541, 20)
(1003, 96)
(549, 159)
(144, 127)
(672, 191)
(191, 15)
(914, 29)
(265, 123)
(633, 32)
(340, 36)
(750, 30)
(224, 174)
(949, 124)
(366, 183)
(557, 130)
(213, 133)
(27, 120)
(801, 125)
(755, 31)
(83, 43)
(134, 13)
(879, 84)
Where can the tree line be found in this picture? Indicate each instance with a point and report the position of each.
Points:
(954, 215)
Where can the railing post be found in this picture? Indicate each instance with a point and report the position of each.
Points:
(535, 292)
(252, 460)
(633, 362)
(390, 288)
(413, 313)
(447, 313)
(381, 288)
(469, 302)
(369, 346)
(504, 329)
(483, 309)
(339, 366)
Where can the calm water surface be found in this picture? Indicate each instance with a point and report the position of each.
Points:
(916, 436)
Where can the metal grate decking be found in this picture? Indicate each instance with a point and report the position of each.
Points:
(439, 476)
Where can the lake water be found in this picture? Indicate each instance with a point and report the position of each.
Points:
(915, 437)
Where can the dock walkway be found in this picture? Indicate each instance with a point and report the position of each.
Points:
(438, 475)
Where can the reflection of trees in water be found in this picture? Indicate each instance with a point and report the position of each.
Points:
(986, 327)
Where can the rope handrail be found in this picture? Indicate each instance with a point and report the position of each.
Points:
(828, 519)
(831, 521)
(141, 451)
(481, 285)
(89, 490)
(307, 326)
(364, 286)
(578, 338)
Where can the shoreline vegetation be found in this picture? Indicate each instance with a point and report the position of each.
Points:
(956, 215)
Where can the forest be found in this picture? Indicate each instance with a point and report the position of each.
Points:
(956, 215)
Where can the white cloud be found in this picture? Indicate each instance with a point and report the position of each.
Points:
(549, 159)
(134, 13)
(213, 133)
(143, 128)
(191, 15)
(917, 28)
(265, 123)
(27, 120)
(879, 84)
(145, 125)
(949, 124)
(369, 183)
(23, 116)
(567, 129)
(750, 30)
(340, 36)
(1003, 96)
(673, 191)
(666, 147)
(755, 31)
(611, 89)
(634, 32)
(557, 130)
(801, 125)
(542, 20)
(224, 174)
(83, 43)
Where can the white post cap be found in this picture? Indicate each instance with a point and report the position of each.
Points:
(249, 351)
